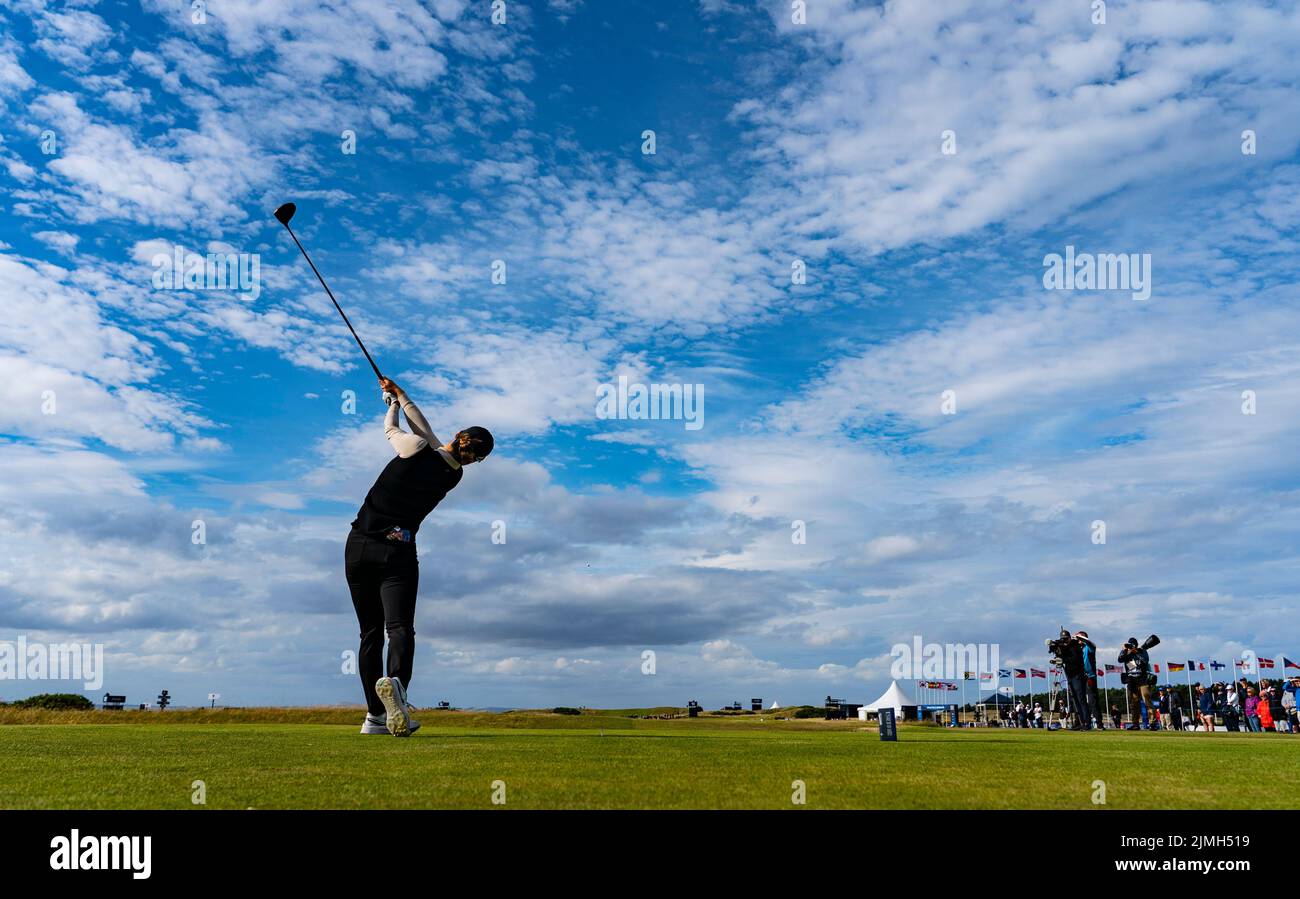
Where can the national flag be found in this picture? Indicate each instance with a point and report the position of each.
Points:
(1020, 672)
(969, 675)
(1034, 672)
(1176, 666)
(1215, 666)
(1287, 663)
(1191, 663)
(1112, 669)
(1002, 672)
(952, 686)
(1157, 667)
(1238, 663)
(1266, 663)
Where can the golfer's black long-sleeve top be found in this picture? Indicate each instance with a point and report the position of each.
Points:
(411, 485)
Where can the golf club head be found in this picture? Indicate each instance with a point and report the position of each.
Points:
(285, 212)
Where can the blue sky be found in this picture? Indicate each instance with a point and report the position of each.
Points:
(776, 142)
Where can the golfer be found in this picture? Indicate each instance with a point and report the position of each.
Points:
(380, 560)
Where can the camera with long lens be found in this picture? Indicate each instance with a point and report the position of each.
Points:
(1059, 646)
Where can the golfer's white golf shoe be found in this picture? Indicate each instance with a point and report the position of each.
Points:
(378, 724)
(393, 696)
(374, 724)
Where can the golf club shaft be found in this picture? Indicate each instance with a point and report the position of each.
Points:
(334, 301)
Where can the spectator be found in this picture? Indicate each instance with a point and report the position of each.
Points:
(1265, 707)
(1291, 702)
(1276, 710)
(1038, 715)
(1251, 709)
(1115, 718)
(1232, 709)
(1206, 701)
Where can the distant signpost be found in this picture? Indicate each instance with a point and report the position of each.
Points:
(888, 726)
(212, 698)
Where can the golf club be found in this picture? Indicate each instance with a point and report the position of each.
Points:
(283, 215)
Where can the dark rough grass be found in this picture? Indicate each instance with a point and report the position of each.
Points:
(606, 761)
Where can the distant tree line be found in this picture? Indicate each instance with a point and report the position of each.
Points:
(59, 702)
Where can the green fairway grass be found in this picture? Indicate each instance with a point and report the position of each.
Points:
(609, 760)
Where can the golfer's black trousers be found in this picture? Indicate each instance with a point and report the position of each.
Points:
(383, 576)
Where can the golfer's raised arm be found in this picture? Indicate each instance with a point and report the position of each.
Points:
(415, 418)
(406, 444)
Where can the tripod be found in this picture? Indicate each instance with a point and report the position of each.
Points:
(1055, 689)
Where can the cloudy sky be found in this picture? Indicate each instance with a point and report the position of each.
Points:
(918, 161)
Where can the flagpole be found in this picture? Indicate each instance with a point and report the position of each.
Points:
(1105, 699)
(1191, 700)
(1030, 703)
(997, 709)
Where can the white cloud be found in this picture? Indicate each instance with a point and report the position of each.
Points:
(13, 77)
(1049, 111)
(61, 241)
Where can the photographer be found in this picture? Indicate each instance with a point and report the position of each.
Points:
(1094, 707)
(1137, 676)
(1079, 659)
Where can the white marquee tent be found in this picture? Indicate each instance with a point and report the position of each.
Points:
(893, 698)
